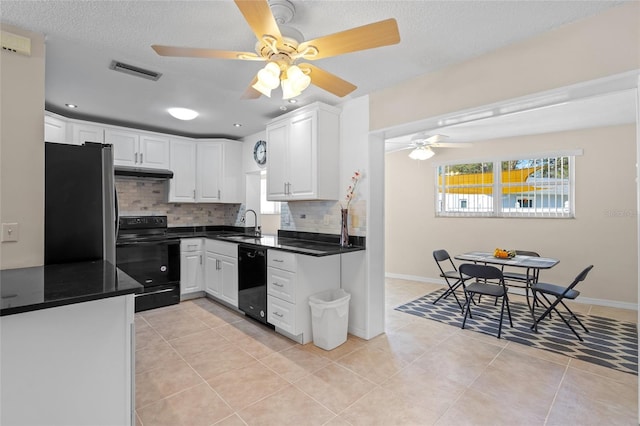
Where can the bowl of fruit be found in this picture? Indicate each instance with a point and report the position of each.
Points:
(504, 254)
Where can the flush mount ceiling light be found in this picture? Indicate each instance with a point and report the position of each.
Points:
(421, 153)
(183, 113)
(71, 105)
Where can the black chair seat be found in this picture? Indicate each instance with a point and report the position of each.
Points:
(451, 277)
(488, 280)
(485, 289)
(555, 290)
(560, 293)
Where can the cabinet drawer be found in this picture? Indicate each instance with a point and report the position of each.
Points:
(281, 314)
(281, 284)
(282, 260)
(221, 247)
(191, 244)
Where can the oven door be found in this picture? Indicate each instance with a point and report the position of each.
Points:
(155, 265)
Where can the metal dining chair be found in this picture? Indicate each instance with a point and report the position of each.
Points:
(487, 280)
(449, 273)
(520, 279)
(560, 293)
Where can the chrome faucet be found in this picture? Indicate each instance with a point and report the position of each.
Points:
(256, 229)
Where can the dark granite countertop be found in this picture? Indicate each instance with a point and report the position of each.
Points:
(308, 243)
(42, 287)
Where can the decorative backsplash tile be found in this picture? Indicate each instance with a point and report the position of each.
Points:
(148, 197)
(323, 217)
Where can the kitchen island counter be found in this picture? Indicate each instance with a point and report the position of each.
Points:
(42, 287)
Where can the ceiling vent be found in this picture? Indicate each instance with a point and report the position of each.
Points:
(15, 43)
(133, 70)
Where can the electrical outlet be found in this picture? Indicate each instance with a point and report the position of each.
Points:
(9, 232)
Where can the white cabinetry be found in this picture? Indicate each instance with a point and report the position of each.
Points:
(82, 132)
(191, 265)
(206, 171)
(303, 154)
(221, 271)
(137, 149)
(55, 129)
(291, 279)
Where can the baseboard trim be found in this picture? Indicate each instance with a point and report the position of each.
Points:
(520, 291)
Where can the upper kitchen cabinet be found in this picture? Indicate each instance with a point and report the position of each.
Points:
(303, 151)
(83, 132)
(55, 129)
(207, 171)
(137, 149)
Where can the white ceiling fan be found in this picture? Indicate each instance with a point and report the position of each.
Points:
(421, 145)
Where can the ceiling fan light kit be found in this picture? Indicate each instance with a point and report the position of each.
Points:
(281, 46)
(421, 153)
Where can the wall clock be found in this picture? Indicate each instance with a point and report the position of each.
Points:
(260, 152)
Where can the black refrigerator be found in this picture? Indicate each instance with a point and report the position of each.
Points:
(80, 213)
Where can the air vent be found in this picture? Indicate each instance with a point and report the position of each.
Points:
(133, 70)
(15, 43)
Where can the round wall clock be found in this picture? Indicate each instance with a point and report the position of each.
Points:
(260, 152)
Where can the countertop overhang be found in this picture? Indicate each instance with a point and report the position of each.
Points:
(42, 287)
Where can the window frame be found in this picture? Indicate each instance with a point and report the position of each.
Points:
(498, 209)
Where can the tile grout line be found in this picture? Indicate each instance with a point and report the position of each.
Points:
(555, 395)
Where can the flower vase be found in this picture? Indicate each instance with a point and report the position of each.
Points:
(344, 230)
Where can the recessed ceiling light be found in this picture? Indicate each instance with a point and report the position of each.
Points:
(237, 125)
(283, 108)
(183, 113)
(71, 105)
(293, 101)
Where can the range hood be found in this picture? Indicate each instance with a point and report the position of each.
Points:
(139, 172)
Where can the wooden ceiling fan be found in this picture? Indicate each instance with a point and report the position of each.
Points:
(282, 53)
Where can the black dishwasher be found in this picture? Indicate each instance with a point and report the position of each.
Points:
(252, 281)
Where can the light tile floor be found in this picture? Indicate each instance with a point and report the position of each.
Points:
(198, 363)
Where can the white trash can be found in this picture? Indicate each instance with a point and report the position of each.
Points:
(329, 318)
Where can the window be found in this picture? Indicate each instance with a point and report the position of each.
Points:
(529, 187)
(267, 207)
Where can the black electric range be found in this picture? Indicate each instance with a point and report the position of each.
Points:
(145, 252)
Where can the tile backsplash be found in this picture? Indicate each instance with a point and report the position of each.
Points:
(323, 217)
(149, 197)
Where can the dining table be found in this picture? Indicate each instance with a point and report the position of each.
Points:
(520, 261)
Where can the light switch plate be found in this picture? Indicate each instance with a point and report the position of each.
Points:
(9, 232)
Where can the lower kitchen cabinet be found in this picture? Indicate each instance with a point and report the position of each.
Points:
(291, 279)
(191, 266)
(221, 271)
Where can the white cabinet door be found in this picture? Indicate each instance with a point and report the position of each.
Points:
(302, 156)
(303, 152)
(213, 278)
(229, 279)
(125, 146)
(277, 175)
(182, 188)
(55, 130)
(209, 163)
(190, 272)
(82, 133)
(154, 151)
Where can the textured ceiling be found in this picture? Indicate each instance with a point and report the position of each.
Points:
(83, 37)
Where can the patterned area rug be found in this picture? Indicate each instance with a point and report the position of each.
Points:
(610, 343)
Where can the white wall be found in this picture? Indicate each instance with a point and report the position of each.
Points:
(22, 151)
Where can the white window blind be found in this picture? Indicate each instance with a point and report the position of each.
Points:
(530, 187)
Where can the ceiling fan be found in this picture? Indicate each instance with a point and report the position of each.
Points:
(421, 145)
(282, 53)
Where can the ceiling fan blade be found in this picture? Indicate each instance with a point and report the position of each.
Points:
(450, 145)
(327, 81)
(195, 52)
(251, 93)
(378, 34)
(258, 15)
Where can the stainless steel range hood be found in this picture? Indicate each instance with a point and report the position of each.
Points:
(145, 173)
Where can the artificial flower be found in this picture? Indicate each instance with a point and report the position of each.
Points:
(352, 188)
